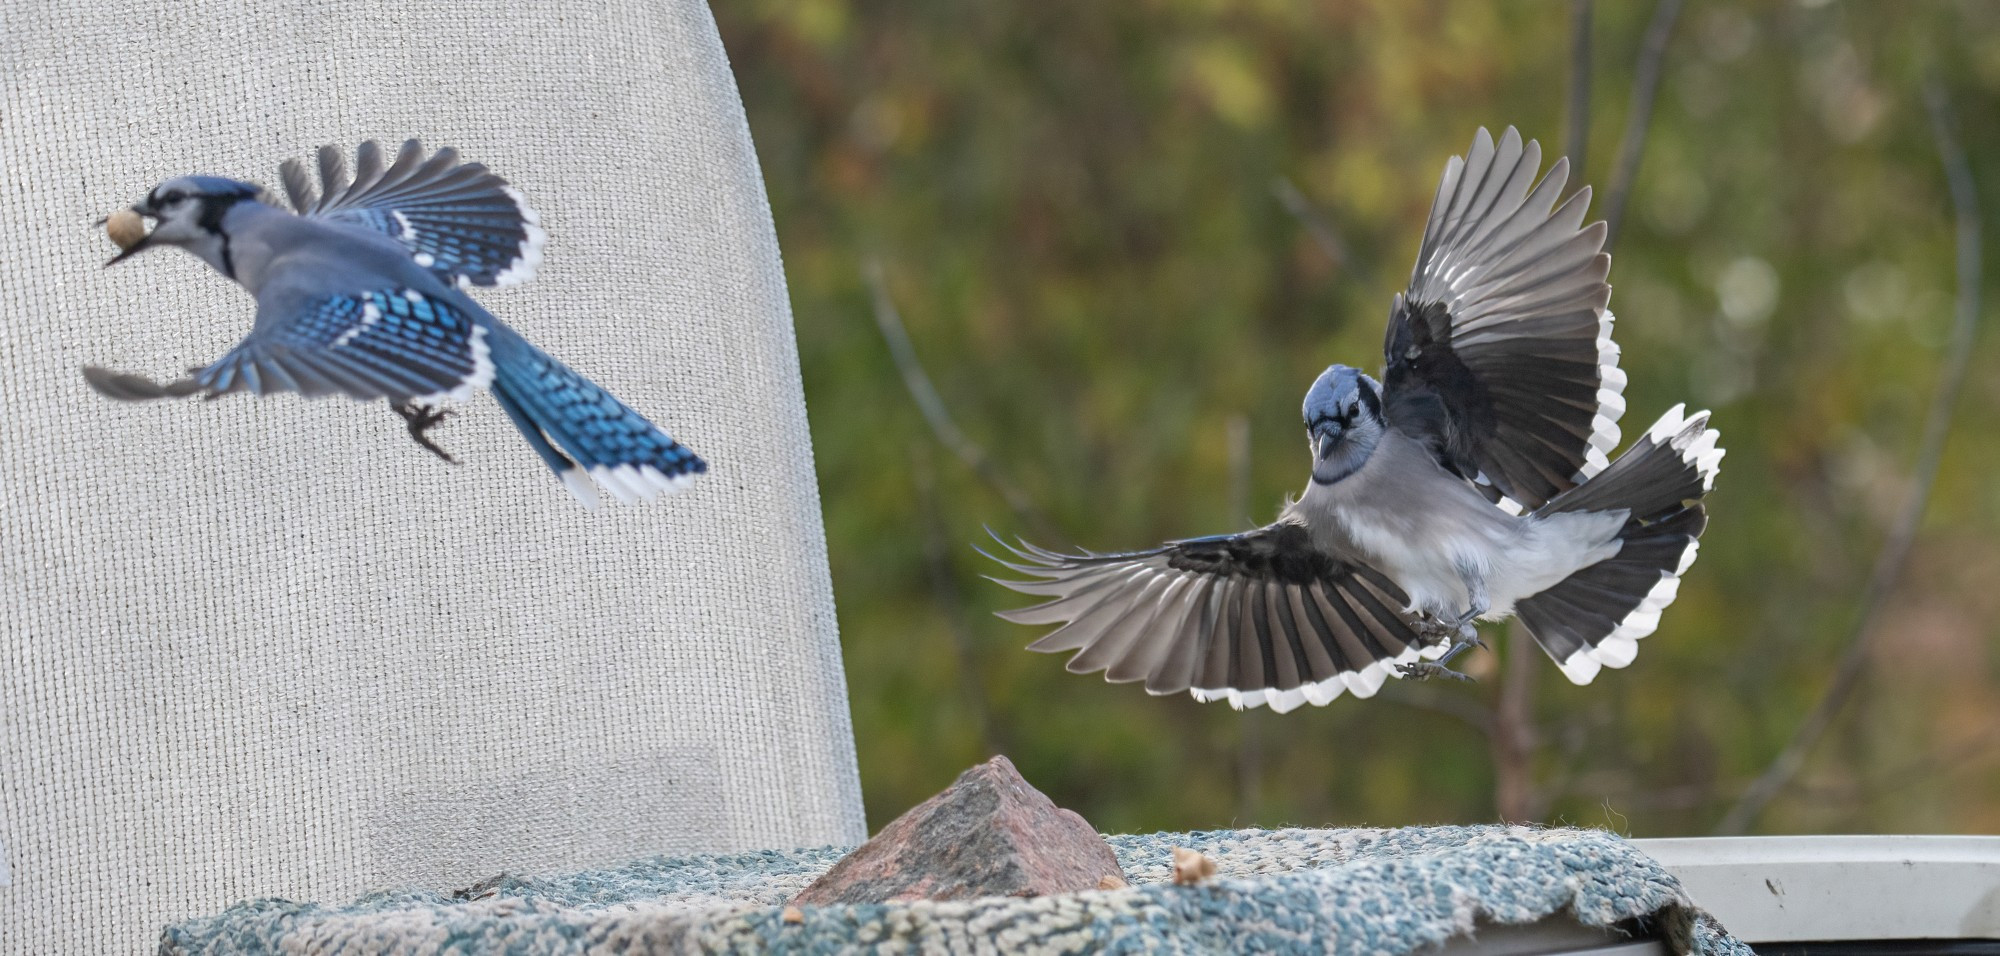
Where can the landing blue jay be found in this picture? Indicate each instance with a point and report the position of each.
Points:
(1470, 483)
(361, 293)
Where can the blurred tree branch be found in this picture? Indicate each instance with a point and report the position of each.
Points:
(1639, 120)
(1902, 535)
(1577, 143)
(1317, 224)
(925, 394)
(1926, 770)
(1515, 739)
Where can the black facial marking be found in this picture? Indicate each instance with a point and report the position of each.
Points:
(213, 208)
(1343, 418)
(1369, 398)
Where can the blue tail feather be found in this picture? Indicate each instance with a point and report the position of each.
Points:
(580, 430)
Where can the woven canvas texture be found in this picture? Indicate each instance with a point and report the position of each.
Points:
(271, 647)
(1358, 891)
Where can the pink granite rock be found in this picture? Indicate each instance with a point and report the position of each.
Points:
(988, 834)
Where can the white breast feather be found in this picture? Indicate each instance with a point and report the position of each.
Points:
(1420, 530)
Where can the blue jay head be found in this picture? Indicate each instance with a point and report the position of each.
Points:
(1343, 413)
(187, 212)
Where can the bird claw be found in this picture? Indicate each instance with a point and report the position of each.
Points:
(1459, 636)
(423, 418)
(1432, 629)
(1425, 670)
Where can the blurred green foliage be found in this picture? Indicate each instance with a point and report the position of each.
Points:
(1074, 206)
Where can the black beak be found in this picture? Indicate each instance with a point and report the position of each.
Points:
(129, 253)
(1325, 432)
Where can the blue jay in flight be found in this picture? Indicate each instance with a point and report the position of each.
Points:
(361, 293)
(1469, 484)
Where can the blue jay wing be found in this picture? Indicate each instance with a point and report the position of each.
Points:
(1253, 618)
(394, 344)
(1499, 356)
(456, 219)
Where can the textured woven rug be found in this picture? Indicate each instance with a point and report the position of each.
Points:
(1279, 891)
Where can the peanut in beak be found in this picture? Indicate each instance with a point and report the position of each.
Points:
(125, 227)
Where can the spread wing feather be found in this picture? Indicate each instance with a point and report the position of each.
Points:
(381, 344)
(1499, 356)
(457, 219)
(1253, 618)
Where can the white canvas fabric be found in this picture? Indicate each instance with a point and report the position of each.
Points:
(273, 648)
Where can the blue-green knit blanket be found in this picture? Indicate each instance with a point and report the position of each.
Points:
(1278, 891)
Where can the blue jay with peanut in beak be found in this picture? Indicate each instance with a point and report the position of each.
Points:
(362, 292)
(1469, 484)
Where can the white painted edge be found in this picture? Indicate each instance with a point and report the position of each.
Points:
(1795, 888)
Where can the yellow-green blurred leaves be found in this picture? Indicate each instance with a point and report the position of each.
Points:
(1223, 72)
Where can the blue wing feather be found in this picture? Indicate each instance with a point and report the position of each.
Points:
(456, 219)
(394, 344)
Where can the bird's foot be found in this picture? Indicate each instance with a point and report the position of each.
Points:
(1462, 635)
(423, 418)
(1425, 670)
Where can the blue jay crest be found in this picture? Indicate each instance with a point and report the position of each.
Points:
(1471, 483)
(361, 291)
